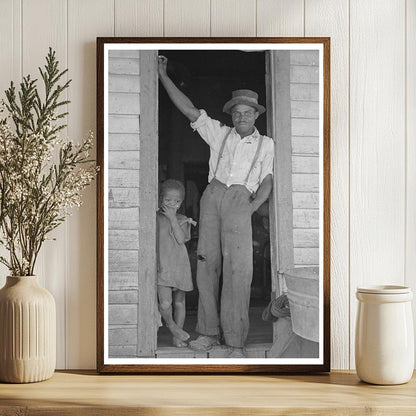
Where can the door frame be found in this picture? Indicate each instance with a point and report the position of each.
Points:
(277, 86)
(279, 128)
(148, 203)
(280, 201)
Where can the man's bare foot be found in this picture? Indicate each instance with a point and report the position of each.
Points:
(178, 343)
(178, 332)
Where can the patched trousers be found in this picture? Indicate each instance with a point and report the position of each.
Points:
(225, 243)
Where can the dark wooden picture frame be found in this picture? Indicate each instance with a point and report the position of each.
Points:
(130, 291)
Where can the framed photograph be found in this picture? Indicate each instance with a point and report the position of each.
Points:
(213, 247)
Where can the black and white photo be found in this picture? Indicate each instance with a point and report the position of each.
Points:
(213, 205)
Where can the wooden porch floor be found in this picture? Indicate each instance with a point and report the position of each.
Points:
(259, 339)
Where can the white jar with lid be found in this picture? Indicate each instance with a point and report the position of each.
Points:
(384, 338)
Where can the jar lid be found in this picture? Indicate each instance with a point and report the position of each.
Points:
(384, 289)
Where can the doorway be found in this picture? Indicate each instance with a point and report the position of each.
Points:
(207, 78)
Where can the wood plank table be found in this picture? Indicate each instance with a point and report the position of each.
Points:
(86, 393)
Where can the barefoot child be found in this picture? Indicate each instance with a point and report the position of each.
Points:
(174, 270)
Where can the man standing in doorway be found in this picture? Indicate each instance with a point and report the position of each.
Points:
(240, 180)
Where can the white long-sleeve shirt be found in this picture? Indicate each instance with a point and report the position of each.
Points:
(238, 153)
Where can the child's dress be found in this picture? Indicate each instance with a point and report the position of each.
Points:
(173, 267)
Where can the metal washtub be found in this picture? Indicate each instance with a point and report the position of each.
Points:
(303, 293)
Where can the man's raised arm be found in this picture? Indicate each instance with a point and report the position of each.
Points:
(179, 99)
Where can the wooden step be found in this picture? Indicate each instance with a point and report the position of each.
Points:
(220, 351)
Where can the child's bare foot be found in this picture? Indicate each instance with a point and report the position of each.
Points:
(178, 332)
(178, 343)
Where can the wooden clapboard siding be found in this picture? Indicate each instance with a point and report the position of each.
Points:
(305, 200)
(123, 65)
(306, 238)
(304, 92)
(124, 141)
(125, 335)
(123, 351)
(123, 196)
(306, 256)
(123, 178)
(123, 218)
(129, 239)
(305, 126)
(124, 83)
(304, 109)
(305, 145)
(123, 123)
(124, 160)
(121, 260)
(123, 297)
(304, 58)
(123, 280)
(305, 182)
(120, 55)
(305, 218)
(123, 103)
(304, 74)
(304, 105)
(305, 164)
(122, 314)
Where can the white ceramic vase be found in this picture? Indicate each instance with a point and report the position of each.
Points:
(384, 338)
(27, 331)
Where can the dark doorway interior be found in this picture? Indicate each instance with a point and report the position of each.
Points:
(208, 78)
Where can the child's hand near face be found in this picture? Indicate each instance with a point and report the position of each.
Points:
(170, 203)
(169, 211)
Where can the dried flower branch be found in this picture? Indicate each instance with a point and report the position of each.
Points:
(37, 194)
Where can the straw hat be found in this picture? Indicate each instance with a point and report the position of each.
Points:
(247, 97)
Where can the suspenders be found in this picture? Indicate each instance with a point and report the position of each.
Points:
(221, 151)
(256, 156)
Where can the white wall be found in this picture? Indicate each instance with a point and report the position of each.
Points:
(373, 132)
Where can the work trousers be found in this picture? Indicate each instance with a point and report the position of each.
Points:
(225, 239)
